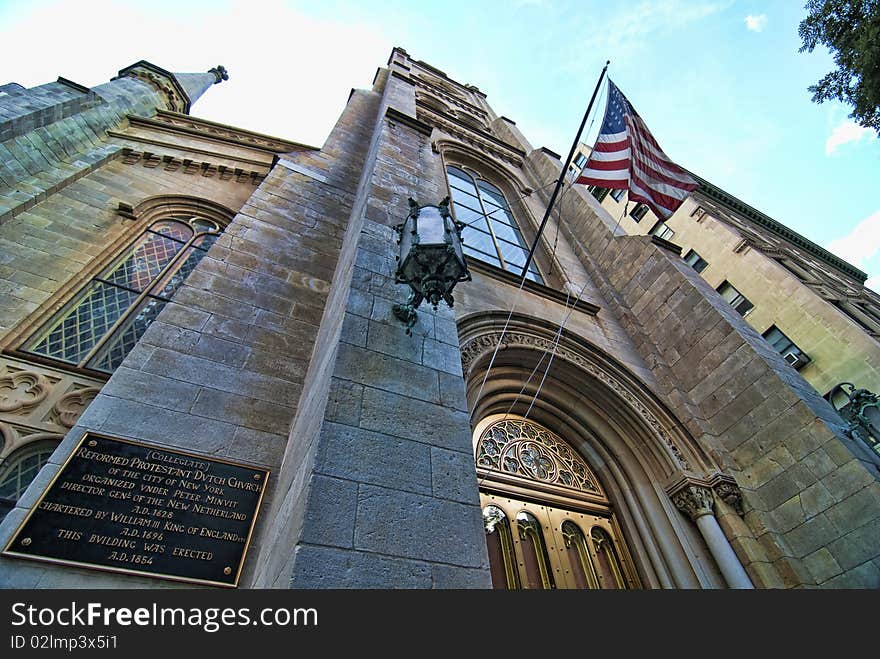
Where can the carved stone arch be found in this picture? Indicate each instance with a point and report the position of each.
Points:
(160, 206)
(633, 443)
(488, 165)
(434, 104)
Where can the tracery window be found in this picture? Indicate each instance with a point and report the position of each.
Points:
(491, 233)
(549, 523)
(104, 321)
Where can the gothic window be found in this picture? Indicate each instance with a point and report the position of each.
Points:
(20, 468)
(491, 233)
(108, 316)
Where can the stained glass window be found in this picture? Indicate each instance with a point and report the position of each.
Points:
(491, 233)
(111, 313)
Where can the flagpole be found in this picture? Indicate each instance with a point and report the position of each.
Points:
(563, 172)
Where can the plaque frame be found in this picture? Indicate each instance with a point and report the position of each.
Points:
(10, 553)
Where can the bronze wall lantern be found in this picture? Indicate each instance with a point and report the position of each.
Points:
(431, 260)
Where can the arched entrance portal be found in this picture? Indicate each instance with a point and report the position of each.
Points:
(649, 485)
(548, 521)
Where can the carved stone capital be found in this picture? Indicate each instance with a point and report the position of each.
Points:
(726, 489)
(694, 500)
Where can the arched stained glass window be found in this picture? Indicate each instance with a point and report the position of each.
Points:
(491, 233)
(106, 319)
(20, 468)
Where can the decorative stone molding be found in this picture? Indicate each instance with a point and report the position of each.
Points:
(695, 500)
(485, 343)
(165, 119)
(69, 407)
(447, 96)
(726, 489)
(494, 148)
(174, 96)
(39, 402)
(187, 166)
(22, 390)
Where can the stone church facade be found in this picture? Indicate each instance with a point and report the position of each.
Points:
(609, 422)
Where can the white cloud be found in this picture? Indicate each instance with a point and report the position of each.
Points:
(847, 131)
(627, 29)
(860, 244)
(756, 23)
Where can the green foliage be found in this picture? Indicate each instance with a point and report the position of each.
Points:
(851, 31)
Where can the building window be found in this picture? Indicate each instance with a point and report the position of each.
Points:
(638, 212)
(734, 298)
(696, 261)
(580, 160)
(21, 467)
(617, 195)
(786, 347)
(98, 328)
(597, 192)
(662, 231)
(490, 234)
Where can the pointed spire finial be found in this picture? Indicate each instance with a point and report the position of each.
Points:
(220, 73)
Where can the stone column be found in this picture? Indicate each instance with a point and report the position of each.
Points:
(698, 502)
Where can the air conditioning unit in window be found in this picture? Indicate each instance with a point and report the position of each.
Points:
(796, 359)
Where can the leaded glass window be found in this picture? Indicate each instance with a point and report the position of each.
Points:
(22, 466)
(491, 233)
(99, 327)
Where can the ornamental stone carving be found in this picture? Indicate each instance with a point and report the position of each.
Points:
(728, 491)
(485, 343)
(22, 390)
(175, 101)
(525, 449)
(69, 407)
(694, 500)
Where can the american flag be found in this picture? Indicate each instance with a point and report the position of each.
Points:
(626, 156)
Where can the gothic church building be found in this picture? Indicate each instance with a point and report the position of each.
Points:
(609, 421)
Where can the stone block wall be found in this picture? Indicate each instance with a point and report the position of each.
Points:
(812, 496)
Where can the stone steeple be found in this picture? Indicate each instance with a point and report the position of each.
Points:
(180, 90)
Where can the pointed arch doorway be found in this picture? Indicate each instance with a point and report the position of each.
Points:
(549, 523)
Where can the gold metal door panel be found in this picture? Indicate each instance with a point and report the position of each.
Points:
(582, 550)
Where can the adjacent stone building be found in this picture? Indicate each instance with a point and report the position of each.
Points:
(609, 421)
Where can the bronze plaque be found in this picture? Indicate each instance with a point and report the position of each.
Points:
(130, 507)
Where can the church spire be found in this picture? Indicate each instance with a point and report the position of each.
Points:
(196, 84)
(180, 90)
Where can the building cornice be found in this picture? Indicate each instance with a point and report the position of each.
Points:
(766, 222)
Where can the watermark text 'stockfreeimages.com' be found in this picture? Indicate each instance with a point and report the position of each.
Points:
(209, 619)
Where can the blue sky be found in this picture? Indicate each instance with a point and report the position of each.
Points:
(719, 82)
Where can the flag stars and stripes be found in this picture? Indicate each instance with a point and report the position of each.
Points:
(627, 157)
